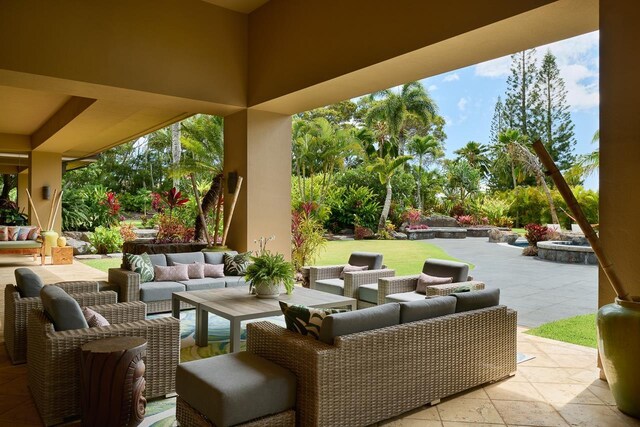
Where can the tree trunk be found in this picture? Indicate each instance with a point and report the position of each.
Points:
(420, 184)
(385, 208)
(552, 207)
(176, 149)
(513, 174)
(6, 186)
(209, 202)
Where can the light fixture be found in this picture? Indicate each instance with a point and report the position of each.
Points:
(46, 192)
(232, 181)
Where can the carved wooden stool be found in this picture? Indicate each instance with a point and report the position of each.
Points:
(112, 382)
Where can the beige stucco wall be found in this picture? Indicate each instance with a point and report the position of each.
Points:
(45, 169)
(257, 146)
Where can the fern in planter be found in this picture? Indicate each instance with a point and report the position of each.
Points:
(269, 268)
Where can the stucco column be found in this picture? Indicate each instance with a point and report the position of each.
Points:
(45, 170)
(257, 145)
(23, 184)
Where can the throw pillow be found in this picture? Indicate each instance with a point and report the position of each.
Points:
(12, 233)
(142, 265)
(34, 233)
(425, 280)
(306, 320)
(4, 233)
(195, 270)
(236, 265)
(215, 271)
(172, 273)
(351, 268)
(23, 233)
(93, 318)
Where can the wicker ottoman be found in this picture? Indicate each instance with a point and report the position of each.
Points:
(442, 290)
(238, 389)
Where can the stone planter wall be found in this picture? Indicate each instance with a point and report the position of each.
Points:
(558, 251)
(139, 247)
(420, 234)
(450, 232)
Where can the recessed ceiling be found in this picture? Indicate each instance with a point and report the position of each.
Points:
(243, 6)
(23, 111)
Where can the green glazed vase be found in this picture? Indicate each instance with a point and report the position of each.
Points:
(50, 240)
(619, 347)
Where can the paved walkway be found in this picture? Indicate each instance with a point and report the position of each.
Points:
(541, 291)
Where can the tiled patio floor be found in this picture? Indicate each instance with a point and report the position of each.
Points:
(559, 387)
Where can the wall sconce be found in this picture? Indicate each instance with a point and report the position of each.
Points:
(232, 181)
(46, 192)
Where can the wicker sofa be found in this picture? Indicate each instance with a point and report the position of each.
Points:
(54, 362)
(157, 295)
(370, 376)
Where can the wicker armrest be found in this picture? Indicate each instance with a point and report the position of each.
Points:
(353, 280)
(395, 285)
(129, 283)
(324, 272)
(95, 298)
(122, 312)
(448, 288)
(78, 286)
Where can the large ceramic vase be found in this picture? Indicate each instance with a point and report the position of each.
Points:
(50, 240)
(619, 346)
(268, 290)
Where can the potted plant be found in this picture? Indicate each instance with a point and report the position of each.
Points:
(269, 271)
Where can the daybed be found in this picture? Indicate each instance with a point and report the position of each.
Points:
(25, 243)
(157, 294)
(374, 374)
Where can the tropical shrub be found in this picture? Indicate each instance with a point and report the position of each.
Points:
(535, 233)
(10, 214)
(106, 240)
(387, 232)
(351, 205)
(172, 229)
(412, 216)
(127, 233)
(306, 238)
(88, 207)
(497, 212)
(361, 232)
(136, 202)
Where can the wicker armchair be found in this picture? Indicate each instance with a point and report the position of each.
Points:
(16, 310)
(54, 362)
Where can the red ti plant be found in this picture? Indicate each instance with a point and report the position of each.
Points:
(535, 233)
(156, 202)
(174, 199)
(113, 205)
(413, 215)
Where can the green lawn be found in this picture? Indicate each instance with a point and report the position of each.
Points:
(579, 330)
(520, 231)
(103, 264)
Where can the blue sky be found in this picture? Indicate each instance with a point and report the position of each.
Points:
(466, 97)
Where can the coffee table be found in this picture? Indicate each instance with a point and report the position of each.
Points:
(236, 305)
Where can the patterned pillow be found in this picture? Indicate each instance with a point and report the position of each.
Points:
(23, 233)
(4, 233)
(12, 233)
(236, 265)
(195, 270)
(172, 273)
(306, 320)
(425, 280)
(351, 268)
(214, 270)
(94, 319)
(142, 265)
(34, 233)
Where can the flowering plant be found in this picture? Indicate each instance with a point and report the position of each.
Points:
(535, 233)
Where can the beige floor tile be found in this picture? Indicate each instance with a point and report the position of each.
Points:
(527, 347)
(410, 422)
(574, 361)
(630, 421)
(512, 390)
(582, 376)
(567, 393)
(425, 413)
(529, 413)
(602, 393)
(478, 393)
(545, 374)
(518, 377)
(460, 424)
(469, 410)
(541, 360)
(555, 348)
(594, 415)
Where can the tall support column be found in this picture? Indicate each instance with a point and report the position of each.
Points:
(45, 170)
(257, 145)
(23, 184)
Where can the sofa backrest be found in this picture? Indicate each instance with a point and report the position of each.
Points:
(427, 308)
(216, 257)
(476, 300)
(65, 312)
(158, 259)
(459, 271)
(373, 261)
(351, 322)
(28, 283)
(185, 258)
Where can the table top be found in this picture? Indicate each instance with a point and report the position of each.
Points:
(109, 345)
(237, 303)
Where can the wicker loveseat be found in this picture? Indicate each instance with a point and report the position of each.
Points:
(370, 376)
(157, 295)
(54, 363)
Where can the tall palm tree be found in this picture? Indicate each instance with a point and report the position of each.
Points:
(505, 139)
(591, 162)
(428, 149)
(393, 109)
(476, 155)
(386, 167)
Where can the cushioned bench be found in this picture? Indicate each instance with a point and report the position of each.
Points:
(23, 247)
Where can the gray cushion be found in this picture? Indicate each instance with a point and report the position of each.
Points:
(426, 309)
(459, 271)
(231, 281)
(332, 286)
(185, 258)
(235, 388)
(372, 260)
(65, 312)
(352, 322)
(28, 283)
(201, 284)
(476, 300)
(158, 259)
(403, 297)
(368, 293)
(216, 257)
(159, 291)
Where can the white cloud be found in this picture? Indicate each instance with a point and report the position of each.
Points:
(582, 86)
(432, 88)
(462, 104)
(451, 77)
(448, 121)
(495, 68)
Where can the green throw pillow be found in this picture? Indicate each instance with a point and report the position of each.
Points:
(306, 320)
(236, 265)
(142, 265)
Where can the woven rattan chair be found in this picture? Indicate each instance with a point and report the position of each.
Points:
(16, 310)
(54, 362)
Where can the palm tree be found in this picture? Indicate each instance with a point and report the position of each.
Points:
(393, 109)
(591, 162)
(426, 148)
(476, 155)
(503, 153)
(386, 167)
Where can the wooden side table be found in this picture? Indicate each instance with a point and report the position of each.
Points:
(62, 255)
(112, 382)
